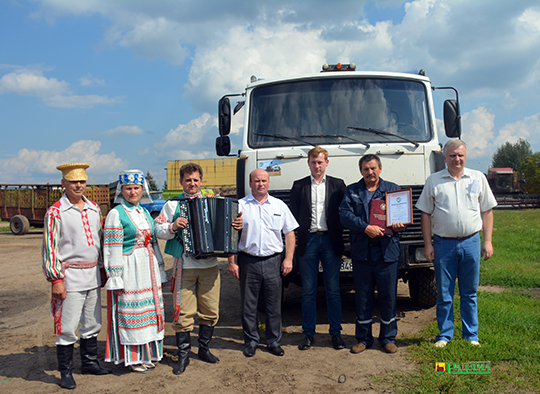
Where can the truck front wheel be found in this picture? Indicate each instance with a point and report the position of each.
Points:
(19, 225)
(422, 286)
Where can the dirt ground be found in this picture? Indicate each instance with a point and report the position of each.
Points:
(28, 355)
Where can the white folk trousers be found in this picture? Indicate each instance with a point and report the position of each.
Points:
(83, 307)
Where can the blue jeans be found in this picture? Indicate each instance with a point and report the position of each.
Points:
(320, 248)
(367, 275)
(459, 259)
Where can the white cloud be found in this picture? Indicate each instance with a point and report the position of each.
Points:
(129, 130)
(92, 81)
(53, 92)
(477, 132)
(245, 51)
(41, 164)
(481, 47)
(418, 11)
(75, 101)
(530, 21)
(489, 50)
(528, 128)
(153, 39)
(507, 102)
(455, 42)
(192, 137)
(53, 9)
(483, 138)
(32, 83)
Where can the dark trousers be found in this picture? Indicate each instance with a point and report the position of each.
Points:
(260, 274)
(320, 249)
(368, 274)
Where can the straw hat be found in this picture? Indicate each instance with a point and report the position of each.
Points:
(74, 171)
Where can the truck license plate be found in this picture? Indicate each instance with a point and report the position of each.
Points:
(346, 266)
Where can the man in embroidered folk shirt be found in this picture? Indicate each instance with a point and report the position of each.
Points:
(456, 203)
(195, 282)
(259, 264)
(375, 256)
(72, 263)
(315, 205)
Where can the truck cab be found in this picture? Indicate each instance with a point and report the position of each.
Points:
(349, 113)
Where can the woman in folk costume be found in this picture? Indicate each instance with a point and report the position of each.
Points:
(136, 272)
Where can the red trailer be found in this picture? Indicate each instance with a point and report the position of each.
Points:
(504, 180)
(25, 205)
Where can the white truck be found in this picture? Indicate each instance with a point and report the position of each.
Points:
(350, 113)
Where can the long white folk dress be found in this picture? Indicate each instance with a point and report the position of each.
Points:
(134, 265)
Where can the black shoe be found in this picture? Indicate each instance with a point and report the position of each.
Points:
(89, 362)
(183, 342)
(276, 350)
(249, 351)
(306, 343)
(338, 342)
(205, 336)
(64, 354)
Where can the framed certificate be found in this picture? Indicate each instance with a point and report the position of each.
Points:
(399, 207)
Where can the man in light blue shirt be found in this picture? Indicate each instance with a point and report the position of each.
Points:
(259, 263)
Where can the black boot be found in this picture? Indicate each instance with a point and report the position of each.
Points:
(205, 336)
(183, 342)
(64, 353)
(89, 362)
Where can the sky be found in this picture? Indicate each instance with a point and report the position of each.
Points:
(135, 83)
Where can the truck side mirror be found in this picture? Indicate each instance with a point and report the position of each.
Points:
(224, 113)
(452, 119)
(223, 145)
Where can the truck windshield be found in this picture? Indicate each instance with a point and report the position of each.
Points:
(338, 111)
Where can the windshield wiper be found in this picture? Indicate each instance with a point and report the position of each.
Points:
(380, 132)
(336, 136)
(284, 137)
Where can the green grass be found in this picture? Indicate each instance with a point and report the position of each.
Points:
(509, 321)
(510, 337)
(516, 243)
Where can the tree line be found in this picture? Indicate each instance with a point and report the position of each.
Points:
(152, 185)
(520, 157)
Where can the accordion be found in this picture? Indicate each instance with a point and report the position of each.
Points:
(209, 231)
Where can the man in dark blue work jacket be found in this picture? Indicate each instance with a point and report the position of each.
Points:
(375, 255)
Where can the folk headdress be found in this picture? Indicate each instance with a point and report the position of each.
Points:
(132, 177)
